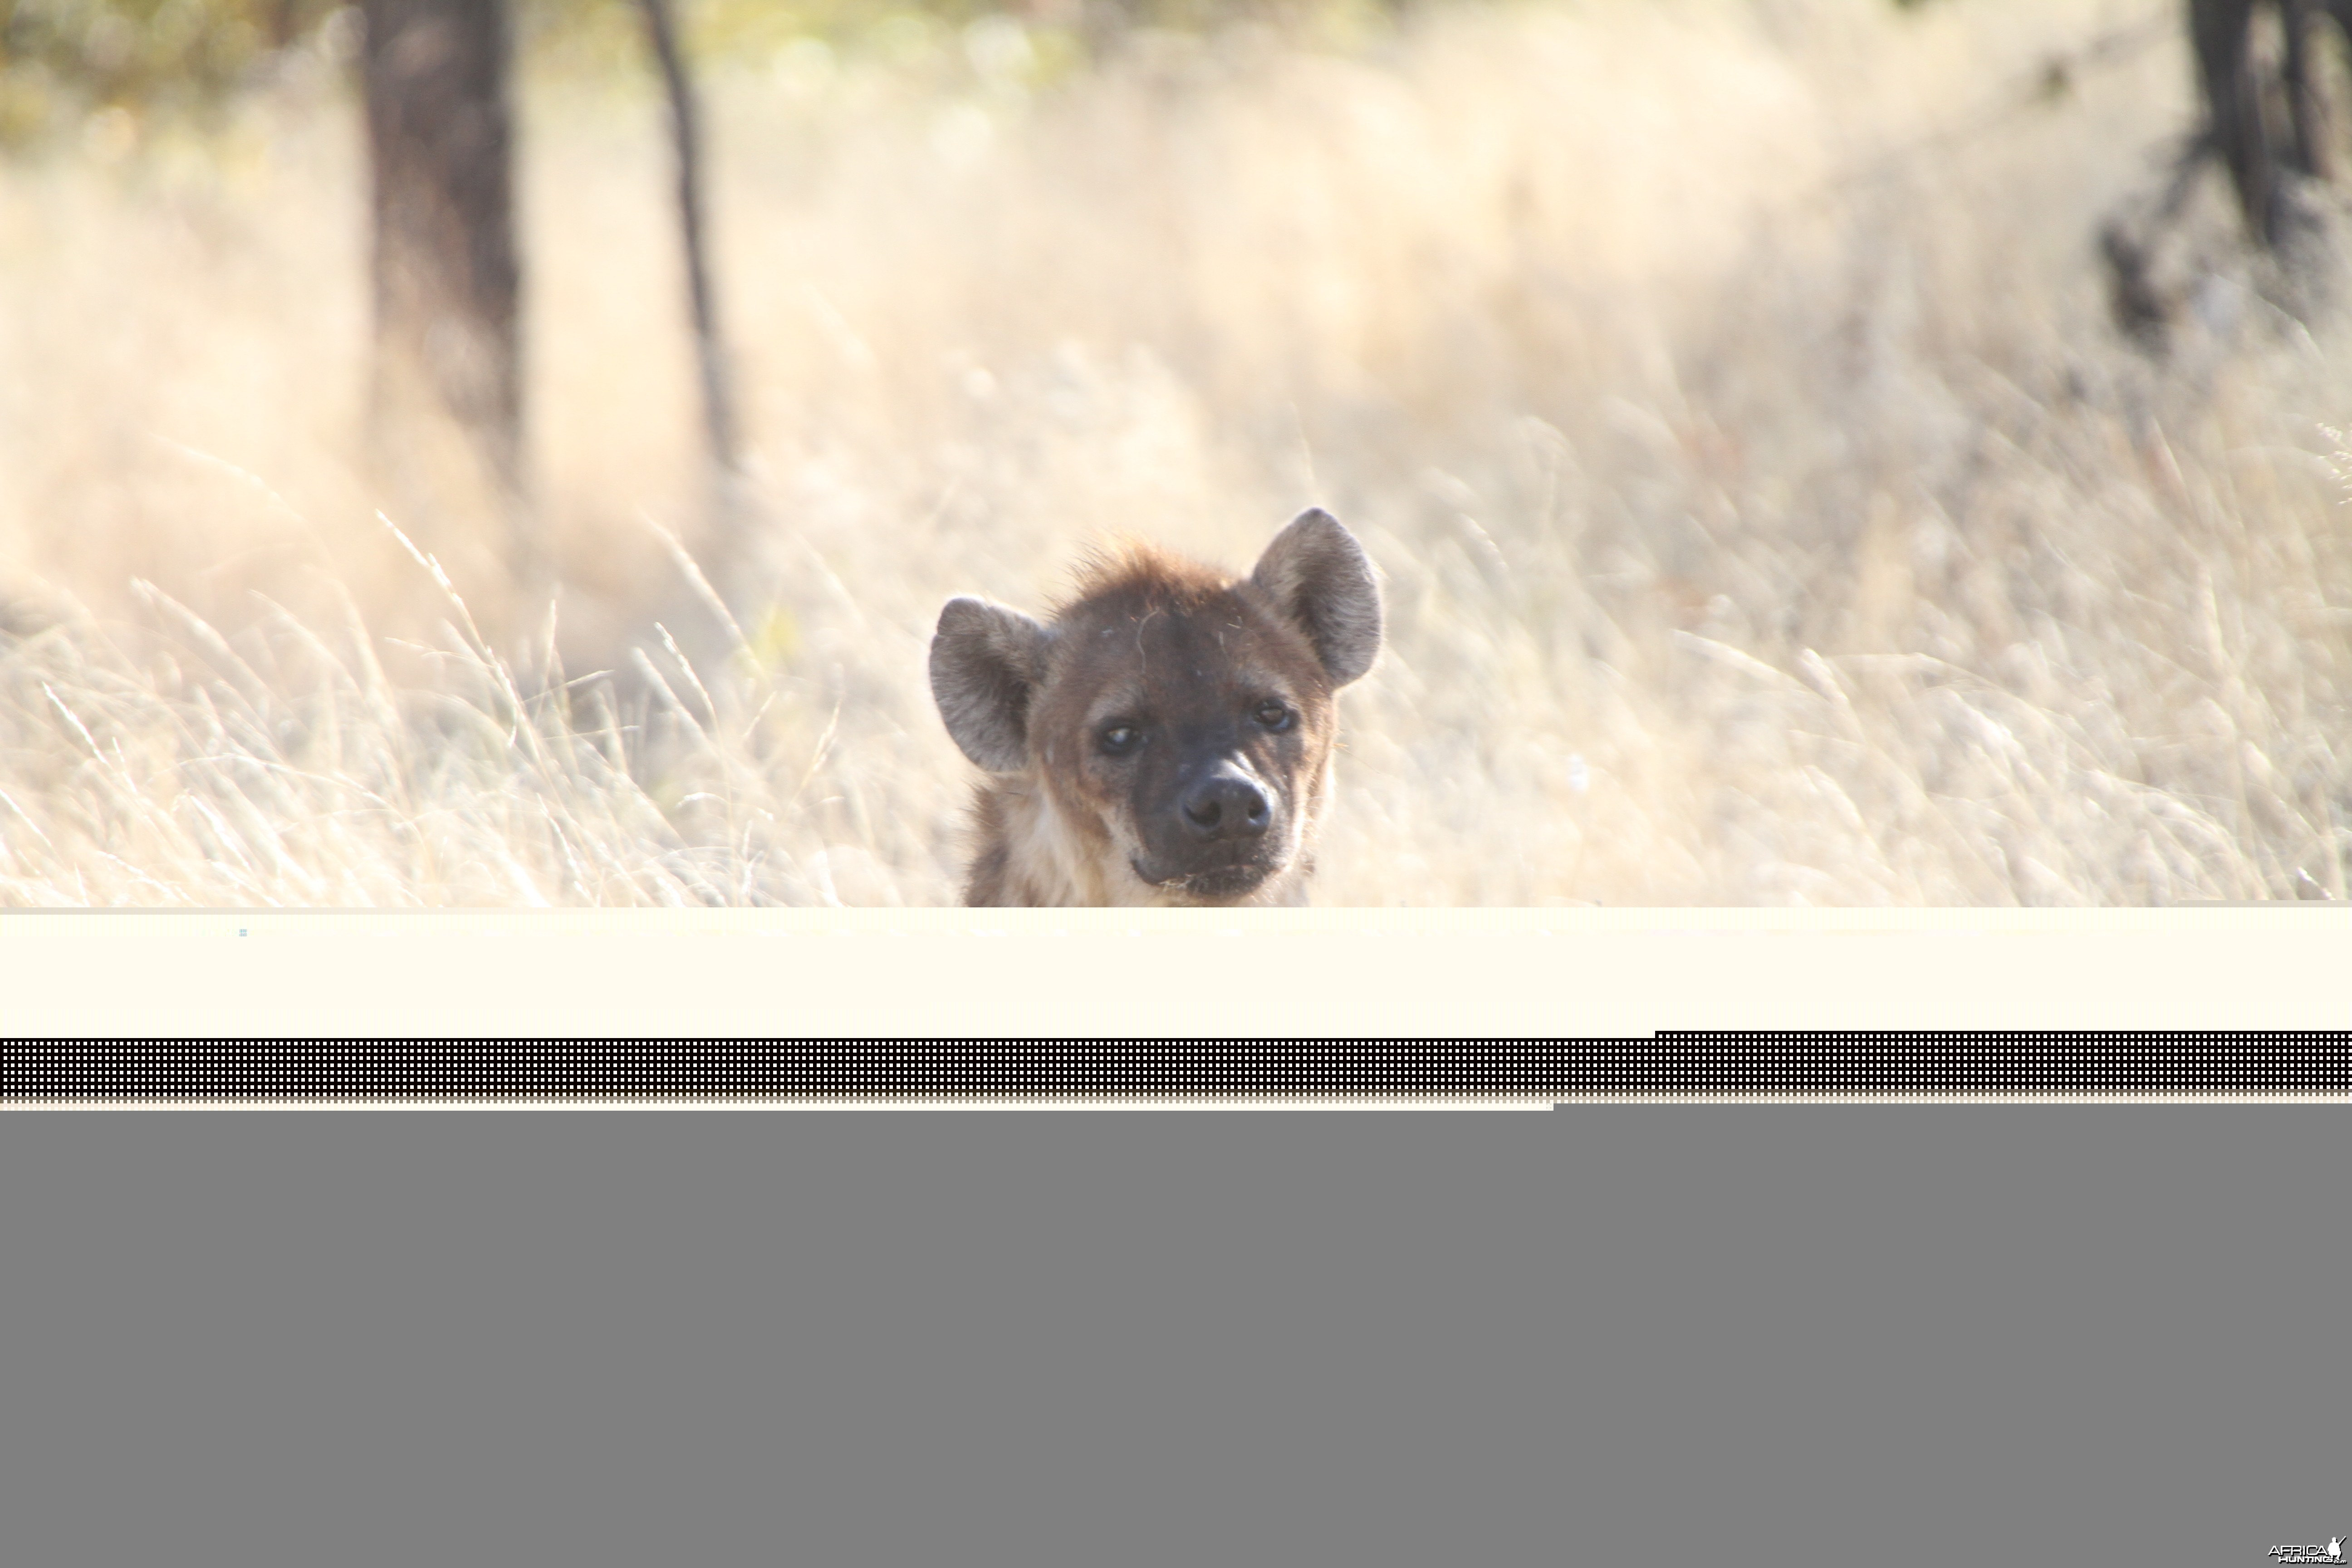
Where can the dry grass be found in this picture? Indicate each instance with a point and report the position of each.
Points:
(1755, 529)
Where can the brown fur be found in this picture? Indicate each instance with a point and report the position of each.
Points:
(1168, 737)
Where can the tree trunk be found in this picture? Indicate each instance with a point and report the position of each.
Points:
(717, 387)
(2306, 110)
(2263, 127)
(446, 398)
(726, 544)
(2218, 31)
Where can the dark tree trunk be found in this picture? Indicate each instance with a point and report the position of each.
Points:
(2264, 128)
(2275, 119)
(686, 130)
(2218, 30)
(2307, 110)
(446, 271)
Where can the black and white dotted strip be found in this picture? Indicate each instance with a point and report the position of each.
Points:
(1669, 1064)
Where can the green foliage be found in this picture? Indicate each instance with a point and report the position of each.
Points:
(606, 34)
(61, 60)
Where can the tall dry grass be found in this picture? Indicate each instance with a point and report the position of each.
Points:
(1767, 510)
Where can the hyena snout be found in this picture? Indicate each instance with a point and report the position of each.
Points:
(1224, 803)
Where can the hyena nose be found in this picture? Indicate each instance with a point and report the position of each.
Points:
(1226, 805)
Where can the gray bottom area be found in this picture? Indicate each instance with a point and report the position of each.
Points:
(1819, 1335)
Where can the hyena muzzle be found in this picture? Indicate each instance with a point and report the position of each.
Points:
(1167, 739)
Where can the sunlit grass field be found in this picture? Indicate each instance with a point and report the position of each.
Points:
(1768, 509)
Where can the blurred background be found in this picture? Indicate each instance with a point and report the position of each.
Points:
(1818, 451)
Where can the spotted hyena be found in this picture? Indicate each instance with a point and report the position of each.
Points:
(1168, 737)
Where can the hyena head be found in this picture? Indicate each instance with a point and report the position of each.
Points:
(1168, 737)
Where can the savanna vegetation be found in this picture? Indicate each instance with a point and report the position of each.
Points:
(1771, 507)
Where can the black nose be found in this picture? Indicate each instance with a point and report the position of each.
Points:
(1226, 805)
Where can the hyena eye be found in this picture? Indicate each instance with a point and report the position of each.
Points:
(1120, 739)
(1273, 715)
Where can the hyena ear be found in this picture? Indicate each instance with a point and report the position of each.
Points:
(986, 664)
(1318, 575)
